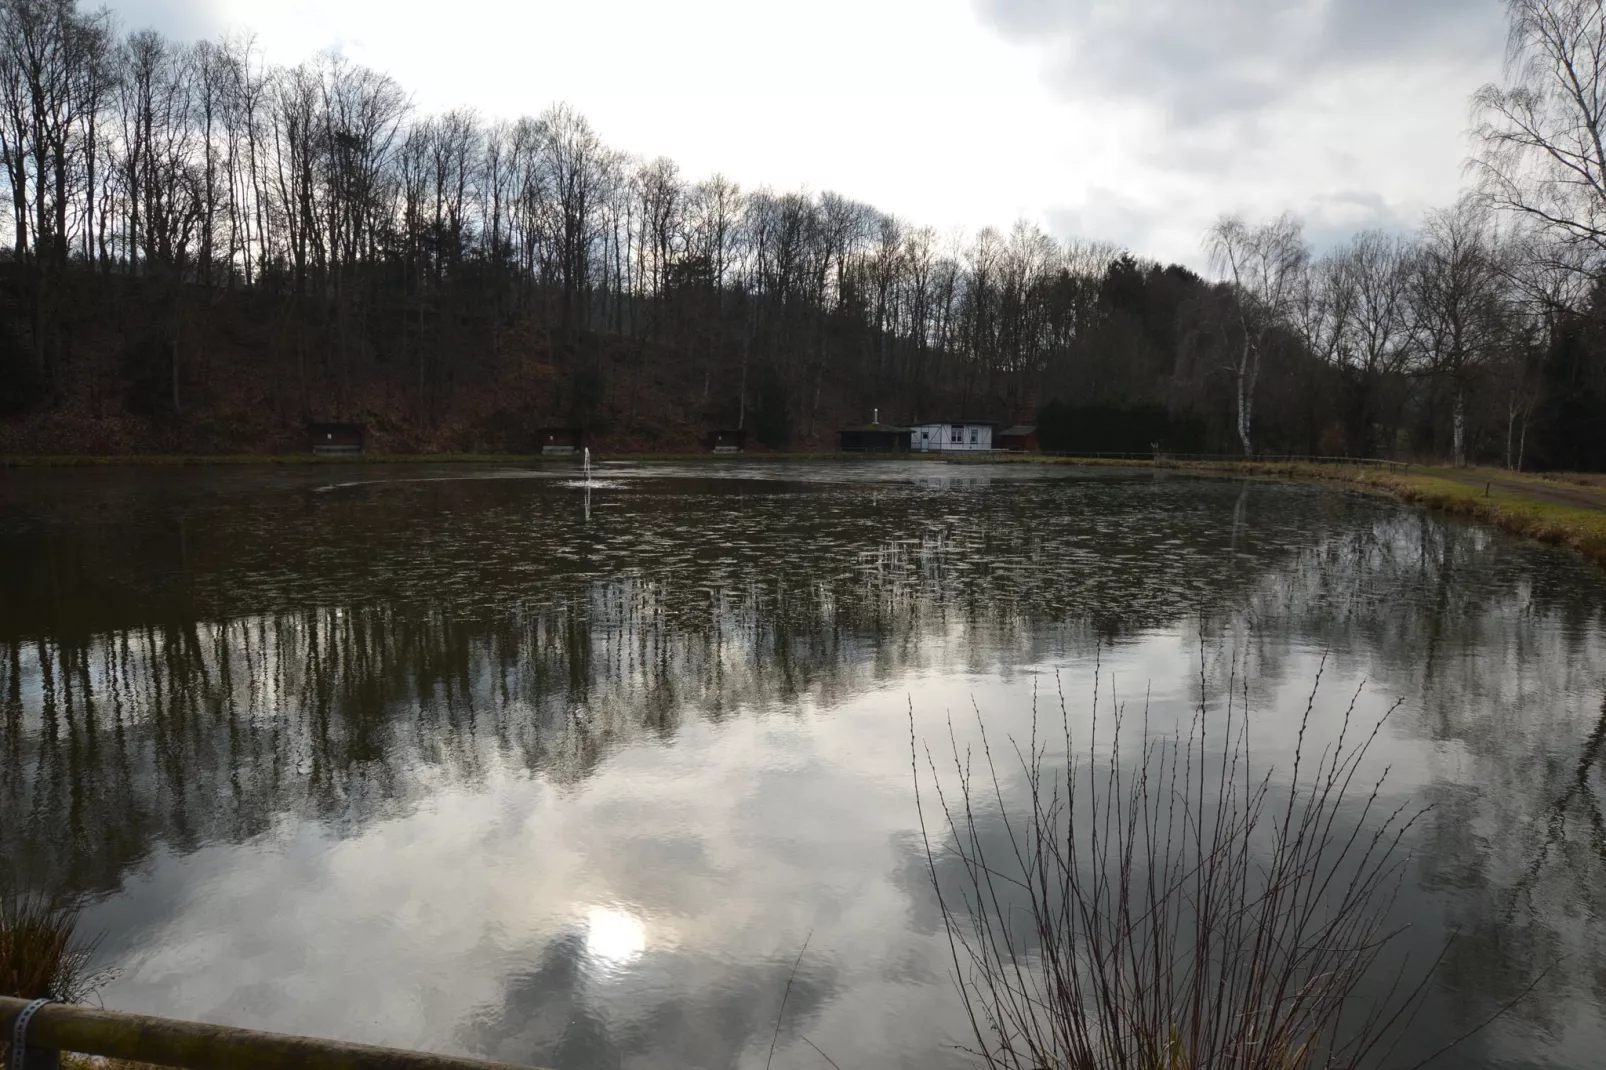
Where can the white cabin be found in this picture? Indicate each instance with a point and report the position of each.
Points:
(962, 436)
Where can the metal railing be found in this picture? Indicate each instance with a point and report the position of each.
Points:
(60, 1027)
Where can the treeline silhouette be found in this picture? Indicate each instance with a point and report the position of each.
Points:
(209, 250)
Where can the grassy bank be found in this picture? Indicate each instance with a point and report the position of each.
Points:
(1515, 503)
(1576, 527)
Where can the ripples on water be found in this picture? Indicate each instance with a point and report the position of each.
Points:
(472, 760)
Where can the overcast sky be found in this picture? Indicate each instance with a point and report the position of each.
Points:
(1134, 121)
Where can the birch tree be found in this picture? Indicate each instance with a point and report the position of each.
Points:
(1263, 265)
(1540, 152)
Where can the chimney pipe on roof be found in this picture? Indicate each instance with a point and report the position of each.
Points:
(876, 419)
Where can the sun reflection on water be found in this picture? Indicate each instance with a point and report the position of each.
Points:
(614, 939)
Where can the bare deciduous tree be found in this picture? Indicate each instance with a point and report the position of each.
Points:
(1374, 345)
(1263, 264)
(1540, 149)
(142, 166)
(1456, 289)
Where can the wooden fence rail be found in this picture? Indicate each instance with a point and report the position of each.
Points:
(60, 1027)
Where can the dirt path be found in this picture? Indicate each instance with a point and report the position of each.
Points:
(1575, 495)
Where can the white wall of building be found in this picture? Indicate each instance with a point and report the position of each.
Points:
(935, 438)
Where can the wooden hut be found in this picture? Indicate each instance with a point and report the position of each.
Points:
(1022, 438)
(335, 440)
(874, 438)
(560, 441)
(726, 441)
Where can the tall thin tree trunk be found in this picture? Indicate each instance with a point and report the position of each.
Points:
(1522, 436)
(1459, 423)
(741, 398)
(1511, 420)
(301, 354)
(1248, 366)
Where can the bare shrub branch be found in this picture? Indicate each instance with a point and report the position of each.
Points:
(1170, 905)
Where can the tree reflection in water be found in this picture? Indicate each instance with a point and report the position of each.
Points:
(193, 660)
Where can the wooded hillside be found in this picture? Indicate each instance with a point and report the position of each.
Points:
(208, 251)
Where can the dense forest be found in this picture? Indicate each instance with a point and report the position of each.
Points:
(208, 251)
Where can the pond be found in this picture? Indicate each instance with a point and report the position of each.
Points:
(487, 761)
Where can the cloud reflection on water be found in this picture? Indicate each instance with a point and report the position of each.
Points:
(420, 765)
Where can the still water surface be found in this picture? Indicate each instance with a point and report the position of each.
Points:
(481, 761)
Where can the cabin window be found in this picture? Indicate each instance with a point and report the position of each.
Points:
(956, 434)
(973, 433)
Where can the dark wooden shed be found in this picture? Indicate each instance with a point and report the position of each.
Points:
(333, 439)
(560, 441)
(726, 441)
(1022, 438)
(874, 438)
